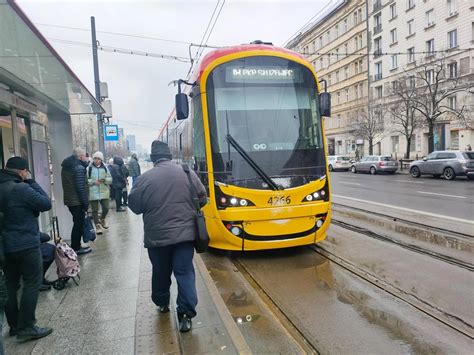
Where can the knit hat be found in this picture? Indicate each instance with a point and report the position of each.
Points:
(98, 155)
(160, 150)
(17, 163)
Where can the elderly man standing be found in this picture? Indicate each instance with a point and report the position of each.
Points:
(21, 201)
(134, 168)
(163, 195)
(76, 195)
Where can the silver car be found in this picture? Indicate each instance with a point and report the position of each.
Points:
(446, 163)
(374, 164)
(339, 162)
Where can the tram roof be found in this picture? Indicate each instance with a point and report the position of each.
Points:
(212, 56)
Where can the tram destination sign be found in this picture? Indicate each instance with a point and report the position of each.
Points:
(260, 74)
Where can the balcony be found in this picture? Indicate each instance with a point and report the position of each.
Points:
(377, 29)
(377, 53)
(377, 5)
(378, 77)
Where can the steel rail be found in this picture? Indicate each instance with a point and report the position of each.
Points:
(416, 224)
(410, 299)
(411, 247)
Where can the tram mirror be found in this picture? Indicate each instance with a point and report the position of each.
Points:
(182, 107)
(325, 104)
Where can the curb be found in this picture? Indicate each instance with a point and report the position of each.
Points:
(234, 332)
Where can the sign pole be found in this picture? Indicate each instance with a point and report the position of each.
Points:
(100, 122)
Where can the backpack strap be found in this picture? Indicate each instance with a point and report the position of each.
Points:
(192, 188)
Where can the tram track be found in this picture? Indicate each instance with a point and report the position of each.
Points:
(452, 321)
(411, 247)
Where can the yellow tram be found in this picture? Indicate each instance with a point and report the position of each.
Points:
(255, 137)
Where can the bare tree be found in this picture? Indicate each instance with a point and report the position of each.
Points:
(369, 125)
(435, 97)
(403, 109)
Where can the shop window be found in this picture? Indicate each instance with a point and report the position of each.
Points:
(7, 149)
(22, 142)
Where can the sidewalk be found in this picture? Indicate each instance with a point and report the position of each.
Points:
(111, 311)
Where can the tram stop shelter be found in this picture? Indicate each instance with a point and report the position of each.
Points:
(39, 96)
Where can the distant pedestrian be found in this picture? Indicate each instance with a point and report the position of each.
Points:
(21, 201)
(163, 196)
(468, 147)
(134, 169)
(99, 179)
(119, 182)
(76, 195)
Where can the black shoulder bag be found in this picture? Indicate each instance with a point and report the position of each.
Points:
(201, 239)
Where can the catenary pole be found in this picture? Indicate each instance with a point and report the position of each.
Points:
(95, 58)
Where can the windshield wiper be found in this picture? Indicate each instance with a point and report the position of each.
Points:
(252, 163)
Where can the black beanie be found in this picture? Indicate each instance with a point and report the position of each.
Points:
(160, 150)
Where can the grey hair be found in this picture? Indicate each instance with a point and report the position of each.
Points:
(78, 151)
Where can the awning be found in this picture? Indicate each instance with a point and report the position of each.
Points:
(30, 65)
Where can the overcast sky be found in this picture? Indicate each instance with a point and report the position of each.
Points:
(138, 86)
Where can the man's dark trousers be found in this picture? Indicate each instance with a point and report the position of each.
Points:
(78, 218)
(176, 259)
(118, 197)
(24, 265)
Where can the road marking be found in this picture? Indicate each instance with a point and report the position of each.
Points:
(407, 209)
(349, 183)
(433, 193)
(411, 182)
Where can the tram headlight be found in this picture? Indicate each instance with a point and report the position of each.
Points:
(243, 202)
(234, 201)
(225, 201)
(320, 195)
(309, 198)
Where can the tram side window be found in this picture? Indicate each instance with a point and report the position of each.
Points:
(6, 137)
(200, 162)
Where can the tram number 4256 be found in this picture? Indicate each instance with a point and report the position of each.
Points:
(279, 200)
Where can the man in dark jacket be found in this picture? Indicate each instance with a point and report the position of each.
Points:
(22, 200)
(76, 195)
(134, 169)
(163, 195)
(119, 182)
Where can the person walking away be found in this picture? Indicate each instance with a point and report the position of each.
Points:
(163, 196)
(22, 200)
(468, 148)
(134, 169)
(99, 179)
(126, 174)
(118, 182)
(76, 195)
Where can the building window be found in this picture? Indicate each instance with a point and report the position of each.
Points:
(336, 29)
(430, 76)
(337, 54)
(378, 71)
(346, 48)
(410, 4)
(345, 25)
(346, 72)
(430, 49)
(378, 92)
(356, 41)
(356, 92)
(452, 7)
(411, 81)
(378, 47)
(453, 70)
(338, 97)
(361, 90)
(377, 23)
(411, 55)
(411, 27)
(356, 68)
(347, 95)
(393, 10)
(393, 35)
(328, 37)
(472, 34)
(359, 13)
(453, 39)
(321, 62)
(355, 18)
(429, 15)
(361, 41)
(321, 42)
(452, 102)
(394, 61)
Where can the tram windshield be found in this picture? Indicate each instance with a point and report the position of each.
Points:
(269, 106)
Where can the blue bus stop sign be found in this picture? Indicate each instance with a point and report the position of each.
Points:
(111, 132)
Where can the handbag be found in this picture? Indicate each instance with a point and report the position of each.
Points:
(201, 238)
(89, 234)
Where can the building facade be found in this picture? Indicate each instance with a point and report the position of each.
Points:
(409, 39)
(336, 45)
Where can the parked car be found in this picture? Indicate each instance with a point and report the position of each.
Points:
(374, 164)
(339, 162)
(446, 163)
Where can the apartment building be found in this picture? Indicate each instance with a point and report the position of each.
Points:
(404, 35)
(336, 45)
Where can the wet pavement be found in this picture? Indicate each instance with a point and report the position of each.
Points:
(111, 312)
(342, 314)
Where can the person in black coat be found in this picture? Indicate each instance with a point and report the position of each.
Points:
(22, 200)
(119, 182)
